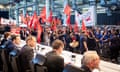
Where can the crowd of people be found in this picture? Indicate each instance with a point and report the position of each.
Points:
(105, 40)
(99, 39)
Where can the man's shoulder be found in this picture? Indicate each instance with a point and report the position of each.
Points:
(9, 44)
(52, 54)
(85, 69)
(26, 48)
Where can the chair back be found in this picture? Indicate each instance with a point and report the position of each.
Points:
(37, 64)
(5, 59)
(14, 61)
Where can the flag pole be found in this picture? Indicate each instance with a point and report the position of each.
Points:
(47, 11)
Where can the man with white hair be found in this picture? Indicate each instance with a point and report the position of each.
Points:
(90, 61)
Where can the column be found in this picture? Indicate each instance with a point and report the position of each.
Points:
(52, 5)
(17, 14)
(74, 4)
(10, 9)
(47, 10)
(74, 7)
(25, 7)
(64, 16)
(94, 13)
(35, 6)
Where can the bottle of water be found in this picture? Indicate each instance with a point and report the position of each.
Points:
(73, 59)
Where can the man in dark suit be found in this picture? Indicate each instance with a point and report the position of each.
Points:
(55, 63)
(11, 45)
(14, 43)
(27, 53)
(23, 33)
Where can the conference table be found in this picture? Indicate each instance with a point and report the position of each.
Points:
(75, 59)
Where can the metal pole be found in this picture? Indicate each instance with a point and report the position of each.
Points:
(64, 16)
(35, 6)
(10, 9)
(52, 5)
(74, 4)
(47, 10)
(25, 7)
(17, 14)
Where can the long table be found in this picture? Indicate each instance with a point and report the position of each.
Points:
(67, 55)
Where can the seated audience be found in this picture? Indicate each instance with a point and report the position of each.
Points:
(90, 61)
(55, 63)
(27, 53)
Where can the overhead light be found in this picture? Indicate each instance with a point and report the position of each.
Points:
(1, 6)
(113, 7)
(8, 7)
(29, 8)
(113, 1)
(102, 2)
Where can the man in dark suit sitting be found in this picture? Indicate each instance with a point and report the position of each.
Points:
(27, 53)
(14, 43)
(55, 63)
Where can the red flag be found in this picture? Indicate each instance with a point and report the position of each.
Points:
(23, 19)
(35, 20)
(27, 18)
(43, 14)
(83, 26)
(50, 17)
(31, 21)
(53, 24)
(39, 32)
(39, 29)
(38, 26)
(58, 21)
(76, 28)
(67, 10)
(68, 22)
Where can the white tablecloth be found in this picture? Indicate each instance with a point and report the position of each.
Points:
(104, 66)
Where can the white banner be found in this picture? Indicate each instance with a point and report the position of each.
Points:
(8, 21)
(89, 17)
(4, 21)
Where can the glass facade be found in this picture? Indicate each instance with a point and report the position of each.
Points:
(57, 6)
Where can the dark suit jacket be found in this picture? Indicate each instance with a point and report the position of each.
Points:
(26, 55)
(85, 68)
(54, 62)
(11, 46)
(3, 41)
